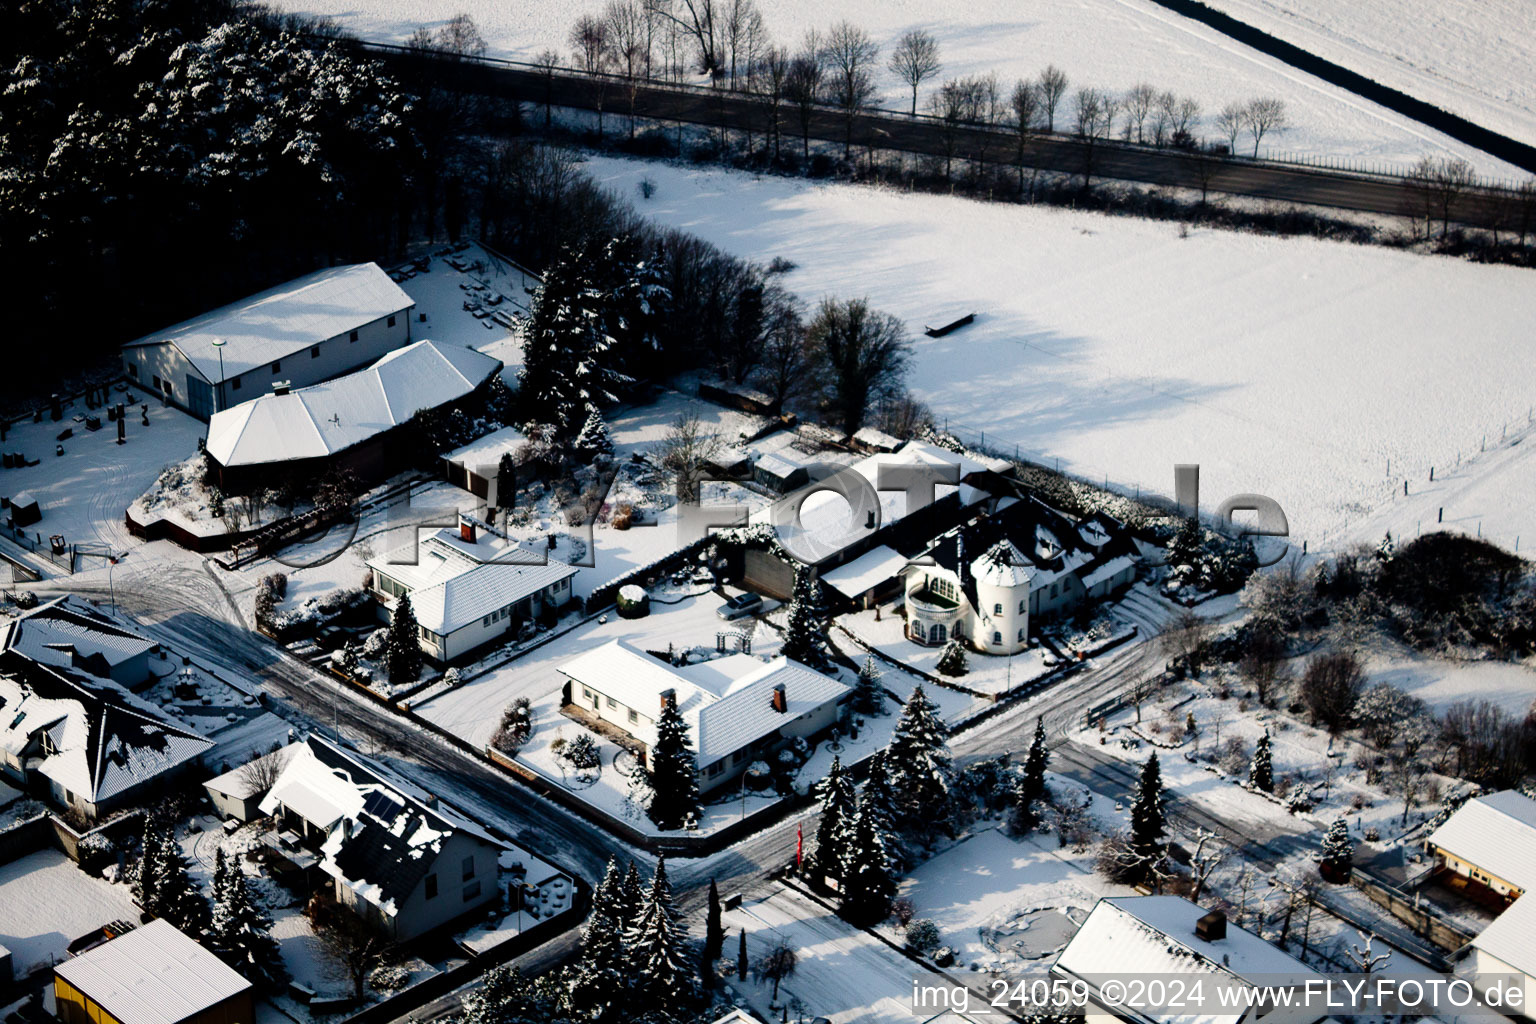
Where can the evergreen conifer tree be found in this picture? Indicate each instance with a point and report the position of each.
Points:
(868, 694)
(879, 801)
(506, 996)
(662, 971)
(593, 439)
(631, 895)
(1031, 787)
(506, 484)
(1148, 842)
(556, 342)
(868, 878)
(671, 772)
(714, 936)
(240, 932)
(917, 762)
(1338, 850)
(805, 631)
(402, 647)
(837, 803)
(1261, 771)
(953, 661)
(597, 977)
(150, 874)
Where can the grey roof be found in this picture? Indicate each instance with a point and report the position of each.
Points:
(1512, 936)
(70, 633)
(152, 975)
(1496, 832)
(271, 325)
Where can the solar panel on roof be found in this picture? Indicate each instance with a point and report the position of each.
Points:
(382, 806)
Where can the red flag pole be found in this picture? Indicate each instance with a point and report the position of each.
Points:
(799, 844)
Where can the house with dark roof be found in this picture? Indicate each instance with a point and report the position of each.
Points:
(87, 742)
(397, 857)
(987, 580)
(69, 633)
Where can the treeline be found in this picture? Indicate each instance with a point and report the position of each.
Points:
(163, 156)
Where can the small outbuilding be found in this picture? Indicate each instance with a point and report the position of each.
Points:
(25, 510)
(151, 975)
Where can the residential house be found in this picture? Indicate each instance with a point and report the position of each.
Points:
(69, 633)
(308, 330)
(398, 858)
(85, 740)
(739, 709)
(469, 586)
(153, 974)
(1171, 938)
(351, 422)
(988, 580)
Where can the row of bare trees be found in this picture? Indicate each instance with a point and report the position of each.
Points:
(1446, 189)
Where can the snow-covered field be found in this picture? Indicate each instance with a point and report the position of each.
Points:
(1472, 57)
(1111, 44)
(48, 903)
(1294, 368)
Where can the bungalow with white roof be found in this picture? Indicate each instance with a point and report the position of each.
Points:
(738, 708)
(398, 858)
(350, 422)
(308, 330)
(1169, 938)
(987, 580)
(1486, 847)
(86, 741)
(468, 586)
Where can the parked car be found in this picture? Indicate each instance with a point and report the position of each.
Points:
(741, 604)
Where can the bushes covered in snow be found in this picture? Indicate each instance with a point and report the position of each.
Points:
(515, 727)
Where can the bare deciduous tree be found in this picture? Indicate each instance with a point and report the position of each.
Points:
(772, 83)
(1363, 960)
(1440, 182)
(1210, 851)
(684, 451)
(803, 84)
(1025, 101)
(589, 41)
(915, 60)
(1264, 116)
(1230, 122)
(546, 63)
(786, 360)
(627, 32)
(700, 21)
(850, 55)
(259, 774)
(861, 354)
(1140, 102)
(777, 964)
(1183, 640)
(1331, 686)
(1053, 86)
(743, 32)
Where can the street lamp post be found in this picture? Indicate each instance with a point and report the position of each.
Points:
(219, 344)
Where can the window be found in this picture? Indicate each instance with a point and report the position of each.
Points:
(633, 715)
(234, 383)
(612, 703)
(391, 322)
(997, 637)
(738, 757)
(937, 635)
(167, 387)
(314, 351)
(1021, 636)
(716, 768)
(157, 382)
(588, 694)
(133, 370)
(485, 620)
(471, 891)
(997, 609)
(431, 886)
(277, 366)
(469, 867)
(352, 336)
(1021, 607)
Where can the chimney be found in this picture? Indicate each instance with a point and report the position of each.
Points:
(1212, 927)
(780, 700)
(281, 387)
(466, 530)
(668, 698)
(869, 520)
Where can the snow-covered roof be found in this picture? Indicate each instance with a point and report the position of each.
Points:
(237, 782)
(486, 452)
(1108, 570)
(826, 523)
(274, 324)
(879, 440)
(327, 418)
(1512, 936)
(1002, 565)
(870, 569)
(1497, 833)
(153, 974)
(384, 832)
(70, 633)
(453, 581)
(726, 702)
(101, 740)
(1149, 935)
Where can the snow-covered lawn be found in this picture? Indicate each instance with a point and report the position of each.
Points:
(1294, 368)
(1440, 683)
(48, 903)
(1472, 57)
(1111, 44)
(985, 673)
(443, 291)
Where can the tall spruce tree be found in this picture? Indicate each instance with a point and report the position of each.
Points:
(1148, 842)
(868, 878)
(150, 873)
(506, 996)
(879, 801)
(557, 341)
(917, 762)
(1261, 770)
(868, 694)
(593, 439)
(402, 645)
(837, 804)
(805, 631)
(506, 484)
(714, 936)
(662, 972)
(1030, 790)
(631, 895)
(672, 774)
(1338, 850)
(240, 931)
(597, 978)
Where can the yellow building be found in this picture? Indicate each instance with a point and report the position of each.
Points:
(151, 975)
